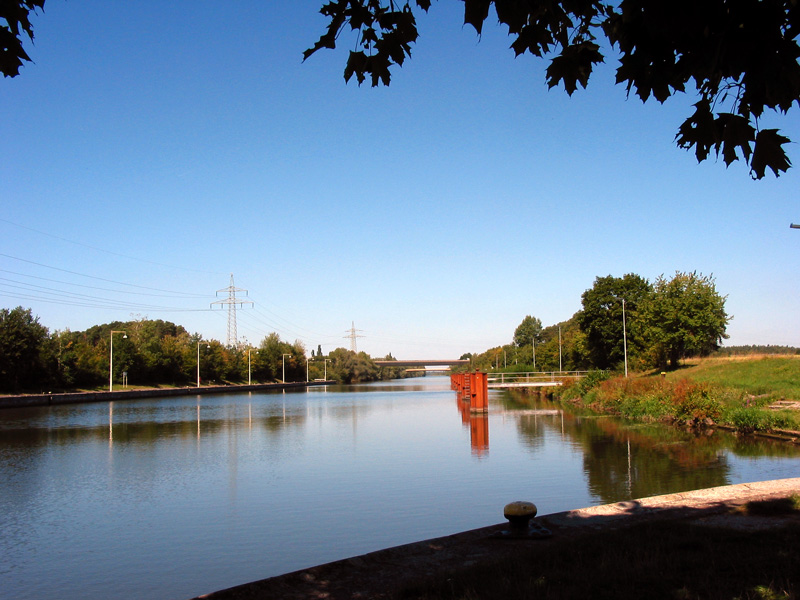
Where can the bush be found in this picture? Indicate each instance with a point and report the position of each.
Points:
(695, 402)
(576, 389)
(750, 418)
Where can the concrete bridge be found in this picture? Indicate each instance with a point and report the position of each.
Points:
(420, 364)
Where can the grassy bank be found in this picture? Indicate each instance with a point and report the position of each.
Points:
(657, 560)
(746, 393)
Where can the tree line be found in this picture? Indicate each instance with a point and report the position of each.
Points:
(156, 352)
(664, 321)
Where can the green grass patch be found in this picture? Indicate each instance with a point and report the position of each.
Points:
(772, 376)
(658, 560)
(711, 391)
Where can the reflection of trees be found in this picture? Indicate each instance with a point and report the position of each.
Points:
(623, 463)
(636, 466)
(150, 423)
(531, 429)
(147, 428)
(625, 460)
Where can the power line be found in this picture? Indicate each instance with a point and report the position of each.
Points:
(97, 249)
(92, 287)
(141, 287)
(88, 304)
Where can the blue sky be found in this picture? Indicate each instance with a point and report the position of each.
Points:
(153, 149)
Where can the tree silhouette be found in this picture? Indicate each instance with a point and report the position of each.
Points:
(740, 56)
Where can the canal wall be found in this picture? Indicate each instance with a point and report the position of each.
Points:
(371, 576)
(103, 396)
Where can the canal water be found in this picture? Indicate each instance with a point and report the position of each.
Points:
(176, 497)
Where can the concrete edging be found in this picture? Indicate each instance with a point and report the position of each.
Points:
(30, 400)
(371, 575)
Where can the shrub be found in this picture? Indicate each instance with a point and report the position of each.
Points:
(749, 418)
(695, 402)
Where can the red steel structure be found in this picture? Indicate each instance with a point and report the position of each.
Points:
(472, 387)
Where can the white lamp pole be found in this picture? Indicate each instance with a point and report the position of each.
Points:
(307, 360)
(560, 368)
(327, 360)
(111, 358)
(533, 345)
(198, 362)
(249, 379)
(624, 338)
(284, 367)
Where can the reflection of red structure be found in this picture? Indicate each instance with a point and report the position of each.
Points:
(479, 433)
(473, 404)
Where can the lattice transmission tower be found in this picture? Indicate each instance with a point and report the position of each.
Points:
(232, 302)
(351, 333)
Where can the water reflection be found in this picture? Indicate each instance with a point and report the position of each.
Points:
(478, 425)
(176, 497)
(624, 460)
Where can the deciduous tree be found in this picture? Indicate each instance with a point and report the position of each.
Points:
(16, 14)
(22, 340)
(527, 331)
(740, 57)
(685, 317)
(601, 318)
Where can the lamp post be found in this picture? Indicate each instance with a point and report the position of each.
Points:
(249, 379)
(560, 368)
(624, 338)
(284, 367)
(198, 362)
(307, 361)
(533, 345)
(327, 360)
(111, 358)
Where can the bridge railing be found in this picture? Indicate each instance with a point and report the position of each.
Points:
(535, 376)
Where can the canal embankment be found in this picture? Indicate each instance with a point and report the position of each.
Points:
(28, 400)
(423, 569)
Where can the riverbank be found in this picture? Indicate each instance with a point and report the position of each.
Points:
(445, 567)
(759, 394)
(27, 400)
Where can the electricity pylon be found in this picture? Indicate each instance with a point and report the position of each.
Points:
(232, 301)
(351, 333)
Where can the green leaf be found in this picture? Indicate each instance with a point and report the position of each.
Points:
(476, 12)
(698, 131)
(574, 66)
(735, 132)
(769, 153)
(356, 63)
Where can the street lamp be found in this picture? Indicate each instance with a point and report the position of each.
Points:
(111, 358)
(533, 345)
(284, 366)
(198, 362)
(327, 360)
(307, 360)
(560, 368)
(249, 350)
(624, 338)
